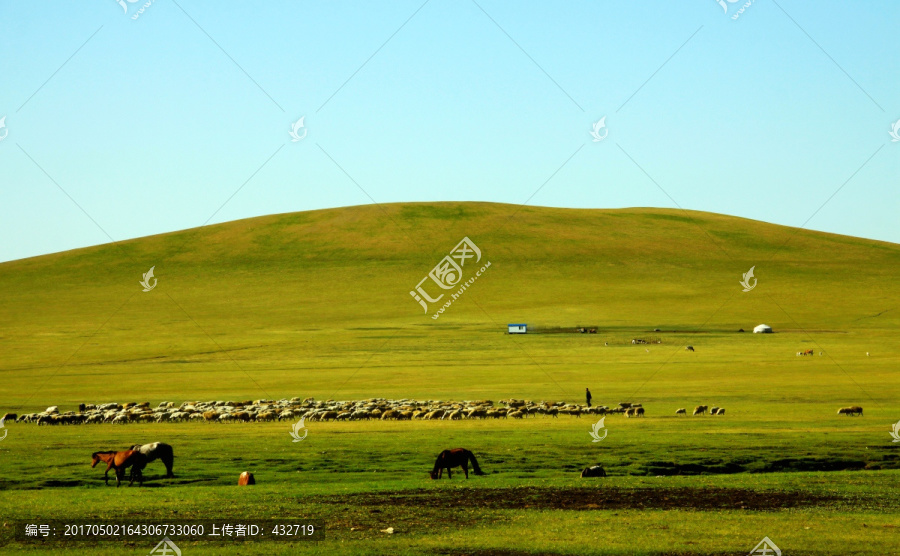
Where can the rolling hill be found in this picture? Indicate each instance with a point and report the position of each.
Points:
(318, 302)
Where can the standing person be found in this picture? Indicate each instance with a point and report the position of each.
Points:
(587, 395)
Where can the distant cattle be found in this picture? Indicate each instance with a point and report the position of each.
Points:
(689, 348)
(700, 410)
(852, 410)
(681, 411)
(720, 411)
(246, 479)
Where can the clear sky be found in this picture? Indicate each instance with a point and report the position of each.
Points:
(120, 128)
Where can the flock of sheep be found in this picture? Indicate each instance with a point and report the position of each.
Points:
(313, 410)
(702, 409)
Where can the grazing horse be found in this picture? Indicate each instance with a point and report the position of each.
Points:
(458, 457)
(120, 461)
(155, 451)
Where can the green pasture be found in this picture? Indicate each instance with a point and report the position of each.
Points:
(317, 305)
(46, 474)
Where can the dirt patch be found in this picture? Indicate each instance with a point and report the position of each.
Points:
(506, 552)
(553, 498)
(492, 552)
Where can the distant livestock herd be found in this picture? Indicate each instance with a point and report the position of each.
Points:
(702, 409)
(313, 410)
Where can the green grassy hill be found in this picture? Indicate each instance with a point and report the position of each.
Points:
(317, 303)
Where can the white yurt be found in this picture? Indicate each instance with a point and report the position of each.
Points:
(763, 329)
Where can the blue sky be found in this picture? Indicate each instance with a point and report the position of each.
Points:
(119, 127)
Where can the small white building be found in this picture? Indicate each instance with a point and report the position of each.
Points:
(763, 329)
(518, 328)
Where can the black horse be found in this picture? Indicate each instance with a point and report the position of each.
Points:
(158, 450)
(458, 457)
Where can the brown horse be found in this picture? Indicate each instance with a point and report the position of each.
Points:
(458, 457)
(120, 461)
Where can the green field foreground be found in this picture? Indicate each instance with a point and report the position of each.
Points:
(370, 476)
(317, 304)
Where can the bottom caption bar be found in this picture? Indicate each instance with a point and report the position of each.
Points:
(48, 531)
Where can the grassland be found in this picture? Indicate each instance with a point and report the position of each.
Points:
(317, 304)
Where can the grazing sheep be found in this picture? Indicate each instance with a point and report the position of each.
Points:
(700, 410)
(681, 411)
(268, 410)
(326, 416)
(287, 414)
